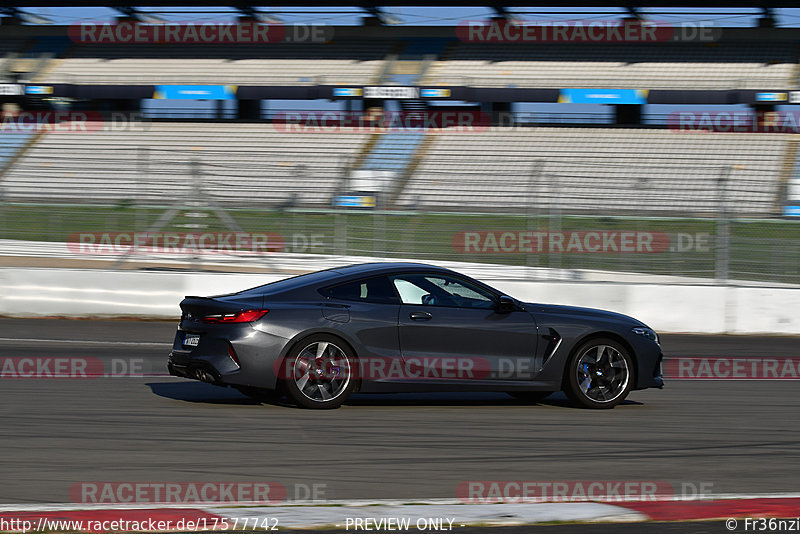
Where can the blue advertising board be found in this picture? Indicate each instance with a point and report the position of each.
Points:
(354, 201)
(603, 96)
(791, 211)
(195, 92)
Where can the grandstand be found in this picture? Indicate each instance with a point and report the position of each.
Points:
(339, 62)
(739, 59)
(599, 171)
(577, 170)
(240, 163)
(716, 65)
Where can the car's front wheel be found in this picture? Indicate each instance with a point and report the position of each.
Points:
(321, 372)
(599, 374)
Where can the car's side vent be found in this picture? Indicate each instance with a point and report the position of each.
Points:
(553, 341)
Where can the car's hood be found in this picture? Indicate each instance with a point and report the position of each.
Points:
(576, 311)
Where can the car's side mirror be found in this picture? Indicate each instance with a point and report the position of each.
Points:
(505, 304)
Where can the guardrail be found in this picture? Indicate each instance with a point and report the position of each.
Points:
(700, 309)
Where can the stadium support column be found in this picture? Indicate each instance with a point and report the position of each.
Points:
(501, 114)
(628, 114)
(374, 109)
(766, 117)
(108, 108)
(130, 105)
(248, 109)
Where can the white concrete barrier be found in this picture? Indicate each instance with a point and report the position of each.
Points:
(667, 308)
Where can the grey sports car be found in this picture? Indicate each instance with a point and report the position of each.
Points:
(400, 327)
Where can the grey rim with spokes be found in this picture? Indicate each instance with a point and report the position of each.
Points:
(321, 371)
(603, 373)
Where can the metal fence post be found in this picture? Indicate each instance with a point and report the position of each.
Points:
(554, 223)
(144, 170)
(379, 245)
(532, 222)
(722, 248)
(340, 213)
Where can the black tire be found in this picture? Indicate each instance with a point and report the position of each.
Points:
(331, 376)
(599, 375)
(260, 394)
(532, 397)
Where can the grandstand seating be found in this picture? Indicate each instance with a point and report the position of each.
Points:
(716, 65)
(340, 62)
(394, 150)
(576, 170)
(11, 143)
(725, 64)
(248, 164)
(598, 170)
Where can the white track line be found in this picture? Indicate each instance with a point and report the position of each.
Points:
(87, 342)
(345, 502)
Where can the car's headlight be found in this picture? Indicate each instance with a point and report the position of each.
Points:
(646, 332)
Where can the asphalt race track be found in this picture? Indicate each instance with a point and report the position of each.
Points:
(738, 436)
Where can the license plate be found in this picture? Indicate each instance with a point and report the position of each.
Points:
(191, 340)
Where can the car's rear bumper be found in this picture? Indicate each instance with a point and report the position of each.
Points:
(237, 355)
(182, 366)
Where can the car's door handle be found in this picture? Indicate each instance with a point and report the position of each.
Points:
(420, 316)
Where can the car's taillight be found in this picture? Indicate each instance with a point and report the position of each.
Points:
(239, 317)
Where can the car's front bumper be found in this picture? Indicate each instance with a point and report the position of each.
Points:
(649, 375)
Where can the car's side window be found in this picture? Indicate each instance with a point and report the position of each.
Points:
(441, 290)
(410, 293)
(377, 289)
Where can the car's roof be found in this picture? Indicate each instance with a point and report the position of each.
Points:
(385, 267)
(329, 276)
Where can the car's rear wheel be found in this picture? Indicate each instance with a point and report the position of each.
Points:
(321, 372)
(599, 374)
(530, 396)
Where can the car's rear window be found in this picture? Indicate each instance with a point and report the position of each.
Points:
(287, 284)
(376, 289)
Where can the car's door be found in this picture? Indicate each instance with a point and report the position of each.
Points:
(369, 307)
(451, 328)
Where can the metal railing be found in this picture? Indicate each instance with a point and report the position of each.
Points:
(269, 76)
